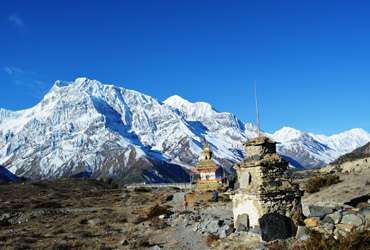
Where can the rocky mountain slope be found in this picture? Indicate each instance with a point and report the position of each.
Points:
(85, 125)
(357, 154)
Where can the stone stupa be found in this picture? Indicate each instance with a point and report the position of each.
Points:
(267, 202)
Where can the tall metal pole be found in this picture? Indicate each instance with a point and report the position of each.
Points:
(257, 109)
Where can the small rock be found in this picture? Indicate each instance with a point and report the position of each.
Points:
(329, 227)
(124, 242)
(94, 222)
(336, 217)
(162, 216)
(312, 222)
(156, 247)
(366, 214)
(302, 233)
(4, 219)
(327, 220)
(352, 219)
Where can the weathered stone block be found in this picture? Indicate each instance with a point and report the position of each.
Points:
(315, 211)
(242, 223)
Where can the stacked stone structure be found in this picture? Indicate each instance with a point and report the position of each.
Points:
(267, 201)
(209, 174)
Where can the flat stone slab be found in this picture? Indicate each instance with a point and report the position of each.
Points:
(352, 219)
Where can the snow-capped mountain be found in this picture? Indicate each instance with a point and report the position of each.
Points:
(85, 125)
(5, 114)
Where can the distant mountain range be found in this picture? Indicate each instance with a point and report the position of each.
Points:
(87, 126)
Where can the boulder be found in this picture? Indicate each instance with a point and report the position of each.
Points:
(312, 222)
(275, 226)
(316, 211)
(352, 219)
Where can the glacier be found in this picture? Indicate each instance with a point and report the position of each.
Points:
(85, 125)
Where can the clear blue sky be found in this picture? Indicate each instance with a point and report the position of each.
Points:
(311, 59)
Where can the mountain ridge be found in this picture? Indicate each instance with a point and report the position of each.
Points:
(108, 130)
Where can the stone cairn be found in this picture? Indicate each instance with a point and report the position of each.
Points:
(267, 202)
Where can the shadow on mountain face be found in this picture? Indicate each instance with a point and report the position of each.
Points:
(197, 128)
(7, 176)
(113, 120)
(292, 162)
(163, 172)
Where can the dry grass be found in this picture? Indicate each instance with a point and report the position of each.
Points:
(79, 214)
(359, 240)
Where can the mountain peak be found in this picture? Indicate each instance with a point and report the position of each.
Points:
(182, 104)
(176, 101)
(79, 81)
(287, 134)
(357, 131)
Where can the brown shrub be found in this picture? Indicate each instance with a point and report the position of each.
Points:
(314, 184)
(157, 211)
(212, 240)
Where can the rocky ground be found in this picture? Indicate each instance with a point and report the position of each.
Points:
(88, 214)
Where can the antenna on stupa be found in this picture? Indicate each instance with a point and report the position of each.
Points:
(257, 109)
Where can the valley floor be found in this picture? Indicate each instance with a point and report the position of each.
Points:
(86, 214)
